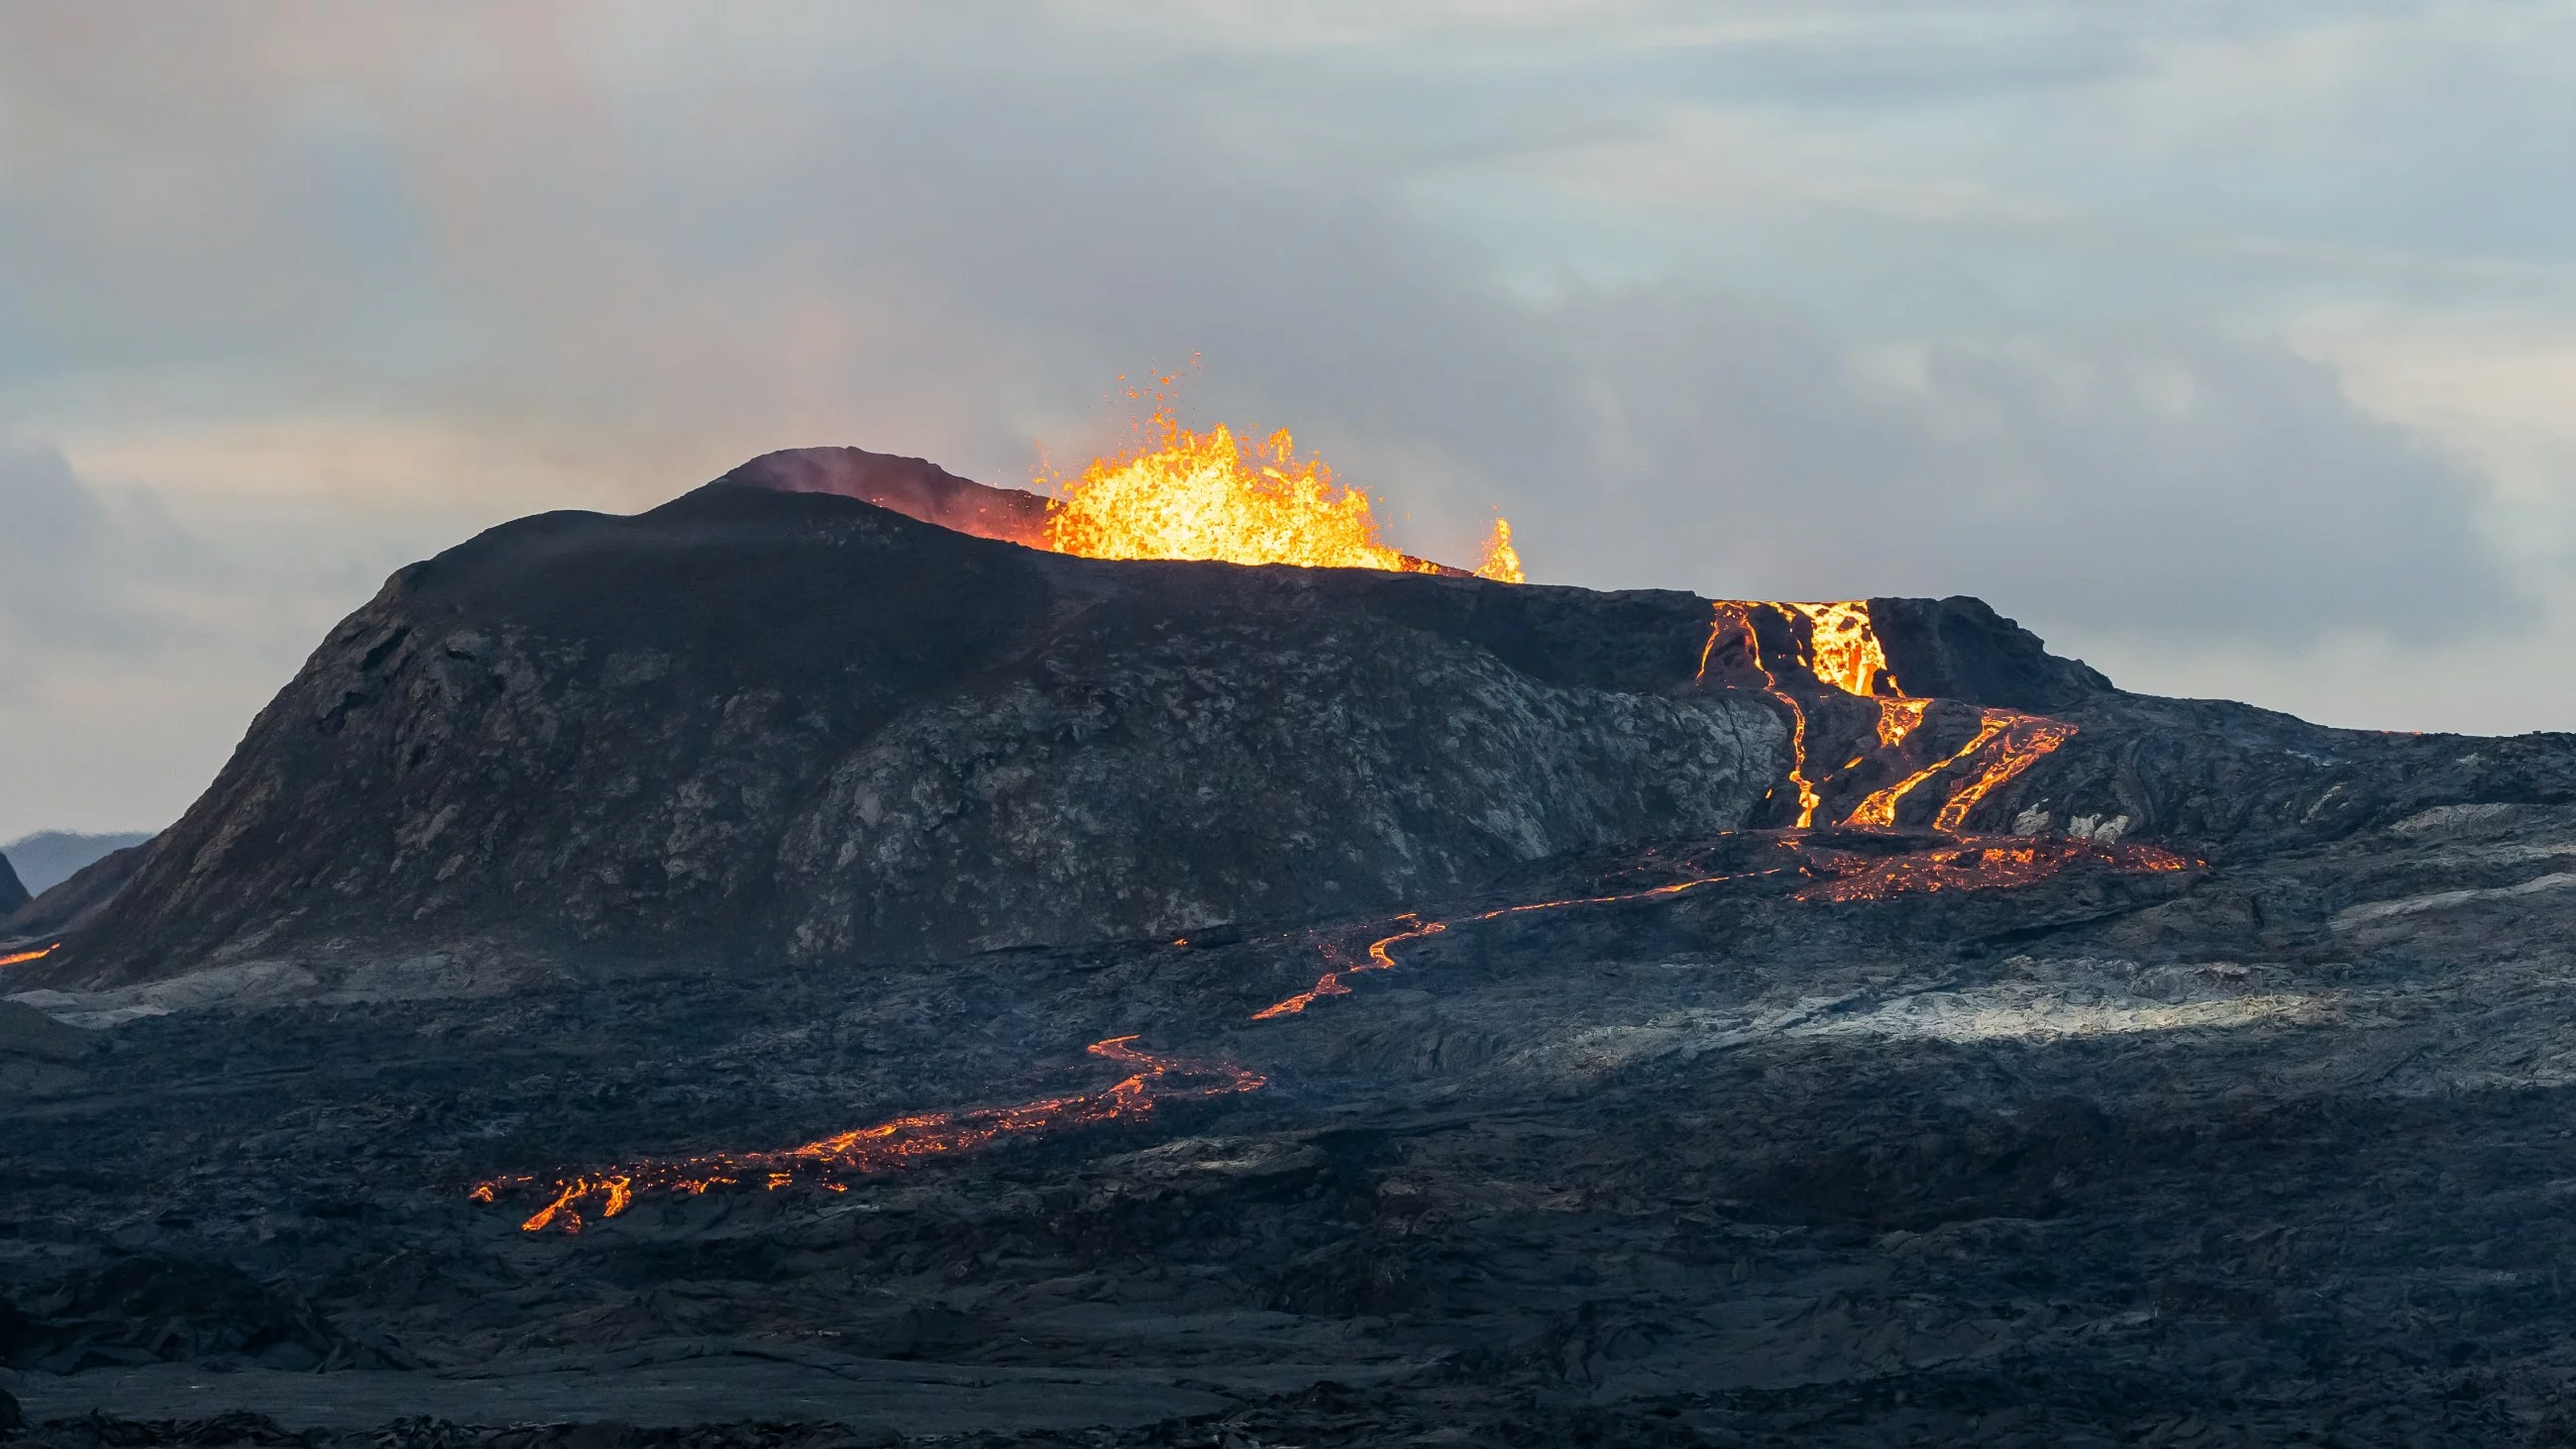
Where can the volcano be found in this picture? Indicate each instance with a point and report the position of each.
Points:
(827, 942)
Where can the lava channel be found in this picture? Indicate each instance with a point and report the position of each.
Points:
(26, 956)
(829, 1161)
(1335, 983)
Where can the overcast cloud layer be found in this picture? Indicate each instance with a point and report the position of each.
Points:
(2232, 353)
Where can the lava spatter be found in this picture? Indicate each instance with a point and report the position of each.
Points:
(1183, 494)
(828, 1162)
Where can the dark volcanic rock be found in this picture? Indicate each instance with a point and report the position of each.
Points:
(795, 725)
(1959, 648)
(1644, 1132)
(13, 894)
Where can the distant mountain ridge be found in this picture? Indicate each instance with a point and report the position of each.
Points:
(47, 858)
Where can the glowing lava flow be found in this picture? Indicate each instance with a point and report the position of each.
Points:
(1843, 651)
(1845, 648)
(24, 956)
(889, 1144)
(1332, 983)
(1877, 810)
(1898, 719)
(1742, 618)
(2024, 740)
(1974, 864)
(1211, 495)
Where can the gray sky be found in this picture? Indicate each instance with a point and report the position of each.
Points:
(2230, 347)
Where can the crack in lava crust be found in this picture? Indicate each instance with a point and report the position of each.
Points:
(896, 1142)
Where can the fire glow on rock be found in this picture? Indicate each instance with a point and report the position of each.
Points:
(1211, 495)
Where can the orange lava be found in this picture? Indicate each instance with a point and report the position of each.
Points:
(1877, 810)
(889, 1144)
(1898, 719)
(1976, 863)
(1741, 616)
(1501, 561)
(23, 956)
(2024, 740)
(1966, 863)
(1845, 649)
(1333, 983)
(1211, 495)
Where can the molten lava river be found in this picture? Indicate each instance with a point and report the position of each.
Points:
(1208, 495)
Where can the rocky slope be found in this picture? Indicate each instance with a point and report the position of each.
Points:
(2224, 1102)
(796, 726)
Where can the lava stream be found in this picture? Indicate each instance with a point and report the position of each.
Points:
(1332, 983)
(1878, 808)
(24, 956)
(1742, 617)
(2026, 738)
(1898, 719)
(1962, 863)
(889, 1144)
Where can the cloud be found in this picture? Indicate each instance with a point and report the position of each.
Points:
(2185, 487)
(83, 570)
(1874, 297)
